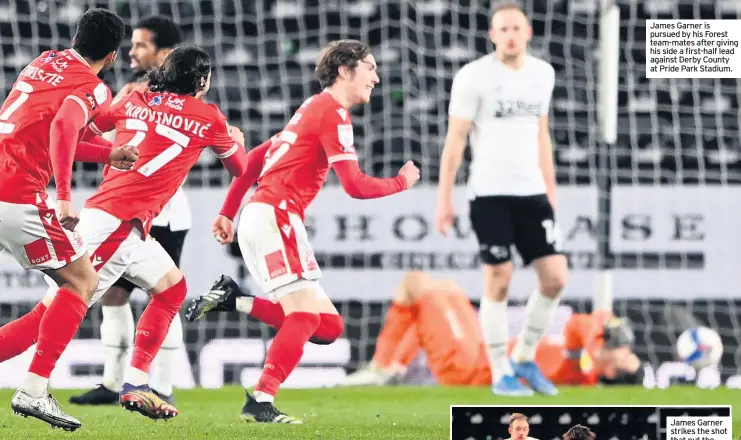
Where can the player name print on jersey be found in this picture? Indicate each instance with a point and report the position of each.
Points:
(176, 122)
(514, 108)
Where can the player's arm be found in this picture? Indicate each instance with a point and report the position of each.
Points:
(336, 137)
(545, 144)
(227, 142)
(240, 185)
(464, 103)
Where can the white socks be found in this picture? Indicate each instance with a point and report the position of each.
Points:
(117, 335)
(494, 324)
(538, 315)
(136, 377)
(163, 365)
(244, 304)
(264, 397)
(35, 385)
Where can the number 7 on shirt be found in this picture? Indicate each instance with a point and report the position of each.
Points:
(180, 142)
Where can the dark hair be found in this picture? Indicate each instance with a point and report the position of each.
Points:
(99, 32)
(165, 33)
(506, 4)
(518, 416)
(579, 432)
(184, 71)
(339, 53)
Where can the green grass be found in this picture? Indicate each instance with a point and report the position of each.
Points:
(356, 413)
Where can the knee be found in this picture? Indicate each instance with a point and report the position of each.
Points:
(553, 284)
(329, 330)
(86, 284)
(497, 279)
(173, 296)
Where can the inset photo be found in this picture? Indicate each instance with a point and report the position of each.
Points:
(522, 422)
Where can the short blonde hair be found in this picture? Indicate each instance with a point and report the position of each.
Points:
(518, 416)
(502, 5)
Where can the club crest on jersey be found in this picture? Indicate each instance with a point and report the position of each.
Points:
(175, 103)
(156, 100)
(50, 56)
(90, 100)
(345, 135)
(505, 109)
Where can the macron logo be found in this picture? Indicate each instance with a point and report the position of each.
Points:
(343, 113)
(286, 230)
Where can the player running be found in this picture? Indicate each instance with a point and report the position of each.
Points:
(151, 41)
(41, 120)
(436, 317)
(171, 126)
(272, 235)
(502, 100)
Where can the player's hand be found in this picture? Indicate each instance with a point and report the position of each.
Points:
(128, 89)
(223, 230)
(67, 216)
(444, 217)
(124, 157)
(236, 135)
(410, 173)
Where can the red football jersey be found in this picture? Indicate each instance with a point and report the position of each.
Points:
(170, 131)
(296, 165)
(27, 113)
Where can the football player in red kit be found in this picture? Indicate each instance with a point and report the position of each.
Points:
(292, 168)
(171, 126)
(41, 121)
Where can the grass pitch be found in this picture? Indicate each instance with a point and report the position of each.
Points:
(354, 413)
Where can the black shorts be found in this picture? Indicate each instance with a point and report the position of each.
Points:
(171, 241)
(527, 222)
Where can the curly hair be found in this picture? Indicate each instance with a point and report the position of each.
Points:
(337, 54)
(184, 71)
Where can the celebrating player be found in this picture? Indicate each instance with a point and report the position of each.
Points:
(171, 126)
(579, 432)
(272, 235)
(51, 102)
(502, 101)
(436, 316)
(152, 40)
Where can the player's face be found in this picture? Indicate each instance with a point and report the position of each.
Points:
(510, 32)
(612, 360)
(364, 80)
(519, 430)
(144, 53)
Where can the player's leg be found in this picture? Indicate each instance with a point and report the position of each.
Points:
(491, 220)
(538, 240)
(153, 270)
(34, 236)
(117, 335)
(164, 363)
(397, 344)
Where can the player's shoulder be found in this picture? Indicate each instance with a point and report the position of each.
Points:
(541, 65)
(479, 66)
(324, 107)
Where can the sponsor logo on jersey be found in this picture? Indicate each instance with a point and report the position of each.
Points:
(156, 100)
(175, 103)
(90, 100)
(50, 56)
(506, 109)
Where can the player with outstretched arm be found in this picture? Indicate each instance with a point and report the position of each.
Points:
(151, 41)
(291, 168)
(50, 104)
(116, 220)
(501, 100)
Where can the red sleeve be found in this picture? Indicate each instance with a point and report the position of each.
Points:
(362, 186)
(336, 135)
(103, 123)
(95, 153)
(230, 153)
(63, 136)
(243, 183)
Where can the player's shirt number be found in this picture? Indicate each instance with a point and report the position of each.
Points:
(25, 90)
(180, 142)
(278, 149)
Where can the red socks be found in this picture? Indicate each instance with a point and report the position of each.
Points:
(330, 326)
(57, 327)
(17, 336)
(286, 350)
(268, 312)
(155, 323)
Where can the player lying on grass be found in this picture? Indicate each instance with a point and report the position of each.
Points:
(171, 126)
(436, 317)
(292, 168)
(41, 120)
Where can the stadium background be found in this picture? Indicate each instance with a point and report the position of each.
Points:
(658, 208)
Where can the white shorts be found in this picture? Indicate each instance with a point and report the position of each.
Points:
(118, 250)
(33, 235)
(276, 250)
